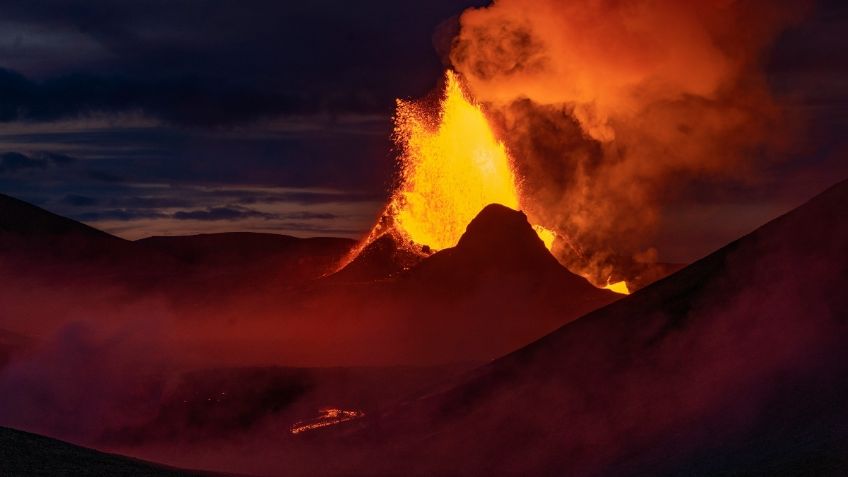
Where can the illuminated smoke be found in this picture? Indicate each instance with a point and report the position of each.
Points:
(609, 107)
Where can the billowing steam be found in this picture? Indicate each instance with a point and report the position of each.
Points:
(608, 107)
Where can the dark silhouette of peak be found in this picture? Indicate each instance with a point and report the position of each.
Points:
(499, 243)
(498, 228)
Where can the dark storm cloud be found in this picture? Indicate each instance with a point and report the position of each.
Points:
(192, 114)
(239, 213)
(222, 213)
(202, 63)
(101, 176)
(313, 229)
(80, 200)
(130, 202)
(121, 215)
(12, 162)
(152, 202)
(309, 216)
(58, 159)
(341, 153)
(305, 198)
(184, 100)
(192, 198)
(211, 214)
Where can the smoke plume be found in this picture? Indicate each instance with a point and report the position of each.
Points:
(608, 107)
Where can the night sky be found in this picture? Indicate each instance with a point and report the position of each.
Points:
(174, 117)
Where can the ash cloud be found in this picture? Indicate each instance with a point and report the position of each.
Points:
(609, 108)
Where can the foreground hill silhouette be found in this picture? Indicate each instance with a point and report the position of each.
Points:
(25, 454)
(733, 365)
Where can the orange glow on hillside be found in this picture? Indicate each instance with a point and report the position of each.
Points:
(548, 236)
(327, 417)
(450, 171)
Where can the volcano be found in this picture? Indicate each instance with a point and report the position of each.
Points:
(499, 241)
(501, 253)
(734, 364)
(498, 289)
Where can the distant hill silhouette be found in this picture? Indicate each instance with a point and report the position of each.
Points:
(32, 239)
(281, 257)
(30, 233)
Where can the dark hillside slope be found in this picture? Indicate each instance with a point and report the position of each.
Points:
(31, 455)
(733, 365)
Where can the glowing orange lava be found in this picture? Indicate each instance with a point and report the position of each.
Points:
(617, 287)
(452, 169)
(328, 417)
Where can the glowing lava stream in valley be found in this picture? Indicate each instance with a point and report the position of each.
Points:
(328, 417)
(452, 166)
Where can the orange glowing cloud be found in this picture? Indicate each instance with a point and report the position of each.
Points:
(608, 107)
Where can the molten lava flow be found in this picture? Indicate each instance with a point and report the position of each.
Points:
(451, 169)
(328, 417)
(548, 236)
(618, 287)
